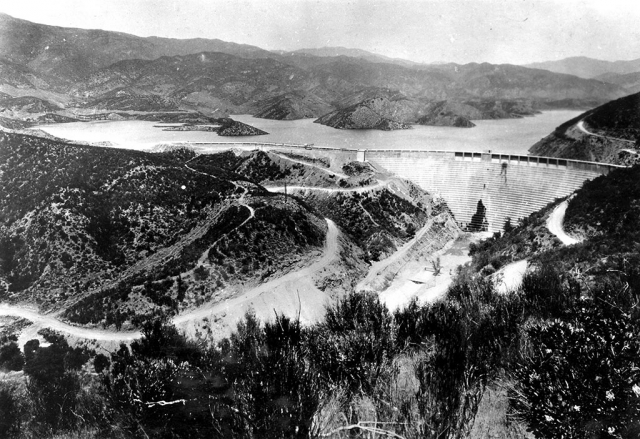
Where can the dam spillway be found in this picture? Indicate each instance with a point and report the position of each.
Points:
(509, 186)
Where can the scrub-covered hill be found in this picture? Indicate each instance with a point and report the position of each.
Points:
(608, 133)
(119, 227)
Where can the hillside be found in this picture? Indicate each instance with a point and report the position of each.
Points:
(368, 114)
(630, 81)
(607, 133)
(74, 53)
(588, 67)
(445, 114)
(291, 106)
(96, 70)
(114, 236)
(354, 53)
(125, 230)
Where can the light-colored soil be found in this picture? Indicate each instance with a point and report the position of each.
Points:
(416, 277)
(555, 221)
(359, 189)
(292, 294)
(47, 321)
(509, 277)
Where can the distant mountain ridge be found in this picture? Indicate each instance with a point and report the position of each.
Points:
(100, 71)
(588, 68)
(355, 53)
(74, 53)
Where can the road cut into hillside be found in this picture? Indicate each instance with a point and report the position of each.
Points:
(359, 189)
(40, 321)
(284, 295)
(293, 294)
(509, 277)
(555, 221)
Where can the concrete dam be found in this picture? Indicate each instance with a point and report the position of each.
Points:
(501, 185)
(507, 186)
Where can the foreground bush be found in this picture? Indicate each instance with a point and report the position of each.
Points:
(582, 379)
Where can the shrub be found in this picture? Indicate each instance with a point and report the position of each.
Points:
(355, 344)
(582, 378)
(9, 411)
(101, 362)
(11, 357)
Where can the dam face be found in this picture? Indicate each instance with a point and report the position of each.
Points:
(508, 186)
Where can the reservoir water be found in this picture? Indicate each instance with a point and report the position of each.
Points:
(509, 136)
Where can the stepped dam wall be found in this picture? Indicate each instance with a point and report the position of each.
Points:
(508, 186)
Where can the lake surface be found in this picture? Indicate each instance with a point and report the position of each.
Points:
(514, 136)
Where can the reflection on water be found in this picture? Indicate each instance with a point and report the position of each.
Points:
(514, 136)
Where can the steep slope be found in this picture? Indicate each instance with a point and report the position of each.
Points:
(446, 114)
(460, 82)
(369, 114)
(290, 106)
(607, 133)
(604, 213)
(113, 235)
(212, 79)
(113, 71)
(74, 53)
(630, 81)
(27, 104)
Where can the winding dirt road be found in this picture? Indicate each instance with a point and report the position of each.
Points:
(358, 189)
(581, 127)
(48, 321)
(330, 253)
(302, 162)
(555, 221)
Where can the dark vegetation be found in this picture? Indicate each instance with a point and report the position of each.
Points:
(567, 350)
(618, 118)
(418, 372)
(355, 169)
(91, 207)
(377, 221)
(615, 120)
(104, 228)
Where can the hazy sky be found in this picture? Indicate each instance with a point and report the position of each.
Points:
(496, 31)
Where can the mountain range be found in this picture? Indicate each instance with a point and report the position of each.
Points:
(588, 68)
(88, 71)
